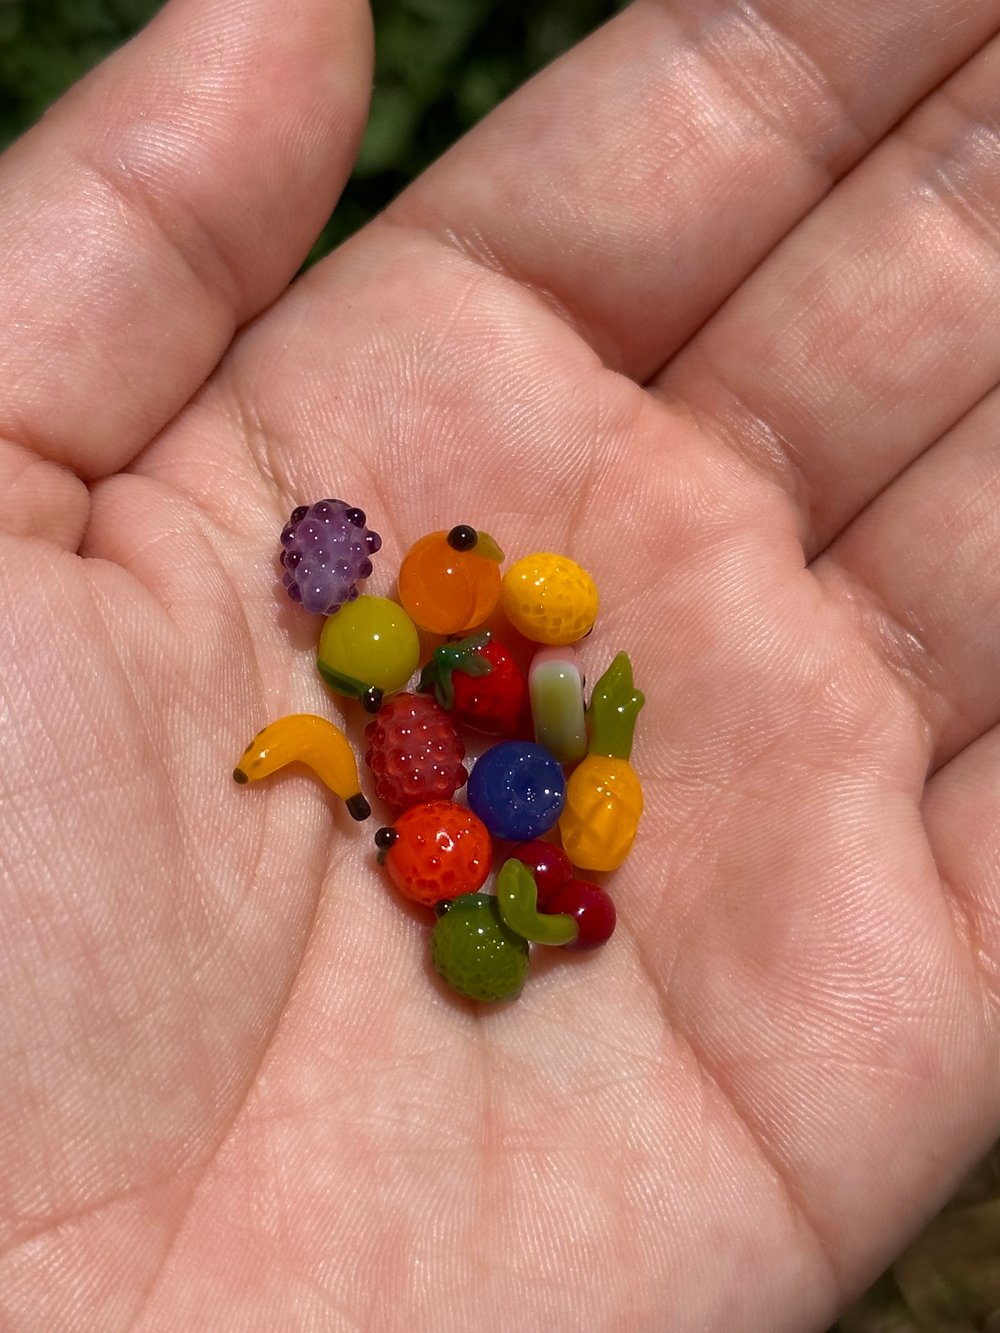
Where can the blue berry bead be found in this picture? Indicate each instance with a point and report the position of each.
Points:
(518, 790)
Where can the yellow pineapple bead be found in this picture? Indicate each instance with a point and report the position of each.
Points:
(603, 807)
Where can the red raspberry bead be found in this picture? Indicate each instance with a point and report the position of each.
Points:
(414, 752)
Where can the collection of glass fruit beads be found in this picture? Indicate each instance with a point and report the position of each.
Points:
(437, 851)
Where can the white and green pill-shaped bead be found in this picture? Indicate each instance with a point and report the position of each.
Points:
(555, 687)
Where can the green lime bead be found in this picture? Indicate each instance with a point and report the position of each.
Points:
(476, 952)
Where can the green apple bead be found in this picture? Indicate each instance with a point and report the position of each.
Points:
(369, 643)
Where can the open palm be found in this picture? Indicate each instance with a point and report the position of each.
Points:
(233, 1095)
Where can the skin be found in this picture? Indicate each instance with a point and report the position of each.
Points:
(723, 280)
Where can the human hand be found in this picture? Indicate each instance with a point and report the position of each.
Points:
(233, 1098)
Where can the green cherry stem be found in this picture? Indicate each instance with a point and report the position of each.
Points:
(369, 696)
(517, 899)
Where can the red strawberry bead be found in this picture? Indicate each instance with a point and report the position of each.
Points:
(493, 704)
(480, 684)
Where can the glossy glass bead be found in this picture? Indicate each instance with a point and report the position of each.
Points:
(368, 649)
(447, 590)
(517, 789)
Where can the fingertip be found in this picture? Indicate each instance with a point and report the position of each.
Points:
(165, 201)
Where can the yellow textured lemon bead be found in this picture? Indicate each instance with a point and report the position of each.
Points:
(549, 598)
(602, 811)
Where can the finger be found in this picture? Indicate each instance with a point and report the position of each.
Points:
(636, 182)
(162, 203)
(872, 329)
(921, 567)
(962, 813)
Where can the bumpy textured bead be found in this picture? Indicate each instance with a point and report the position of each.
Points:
(436, 850)
(326, 550)
(549, 598)
(414, 752)
(604, 796)
(476, 952)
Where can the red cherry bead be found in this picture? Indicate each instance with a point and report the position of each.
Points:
(591, 906)
(549, 865)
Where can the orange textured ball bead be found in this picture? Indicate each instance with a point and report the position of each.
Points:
(436, 851)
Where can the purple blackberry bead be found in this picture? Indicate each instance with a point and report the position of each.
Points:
(327, 545)
(316, 598)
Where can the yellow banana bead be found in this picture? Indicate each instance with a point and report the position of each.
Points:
(603, 795)
(306, 739)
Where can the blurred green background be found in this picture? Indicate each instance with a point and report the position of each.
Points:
(440, 66)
